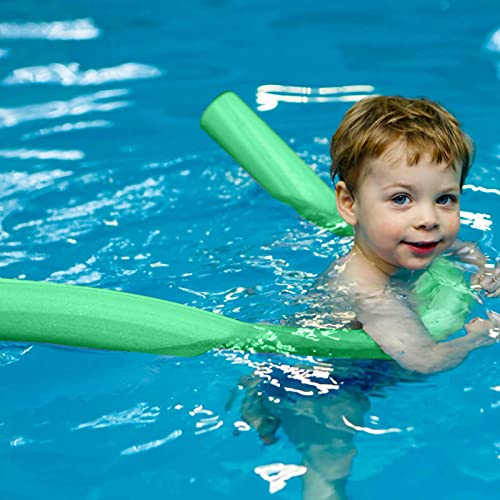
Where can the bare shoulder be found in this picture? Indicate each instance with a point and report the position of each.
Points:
(328, 304)
(356, 274)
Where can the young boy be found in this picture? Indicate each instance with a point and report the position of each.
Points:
(401, 165)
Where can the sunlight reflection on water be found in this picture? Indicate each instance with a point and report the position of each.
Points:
(78, 29)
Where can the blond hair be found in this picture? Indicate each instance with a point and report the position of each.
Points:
(376, 123)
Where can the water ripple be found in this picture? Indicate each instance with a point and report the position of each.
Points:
(278, 474)
(66, 127)
(122, 200)
(14, 182)
(10, 117)
(493, 42)
(9, 258)
(78, 274)
(77, 29)
(492, 45)
(54, 154)
(12, 353)
(206, 420)
(140, 448)
(269, 96)
(69, 222)
(20, 441)
(70, 74)
(475, 220)
(139, 415)
(482, 189)
(371, 430)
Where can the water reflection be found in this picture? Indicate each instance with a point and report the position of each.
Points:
(492, 45)
(13, 353)
(142, 414)
(482, 189)
(278, 474)
(70, 74)
(78, 29)
(66, 127)
(141, 448)
(269, 96)
(13, 183)
(493, 41)
(10, 117)
(38, 154)
(476, 220)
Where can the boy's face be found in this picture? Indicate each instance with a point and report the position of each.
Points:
(405, 216)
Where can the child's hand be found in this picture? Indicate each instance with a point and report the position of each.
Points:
(488, 279)
(484, 332)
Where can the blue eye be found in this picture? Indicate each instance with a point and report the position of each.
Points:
(401, 199)
(446, 199)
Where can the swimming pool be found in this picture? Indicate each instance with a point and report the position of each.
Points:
(106, 180)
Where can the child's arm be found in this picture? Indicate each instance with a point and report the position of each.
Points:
(398, 330)
(488, 275)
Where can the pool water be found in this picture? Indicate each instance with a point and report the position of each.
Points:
(106, 180)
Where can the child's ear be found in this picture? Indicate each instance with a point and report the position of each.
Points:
(345, 203)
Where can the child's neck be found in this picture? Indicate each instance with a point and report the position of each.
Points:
(367, 273)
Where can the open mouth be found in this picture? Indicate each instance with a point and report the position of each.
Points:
(421, 247)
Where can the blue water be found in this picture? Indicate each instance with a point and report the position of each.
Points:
(107, 180)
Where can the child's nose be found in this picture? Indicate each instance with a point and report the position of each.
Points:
(427, 218)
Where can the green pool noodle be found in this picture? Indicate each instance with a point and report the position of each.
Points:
(105, 319)
(88, 317)
(270, 161)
